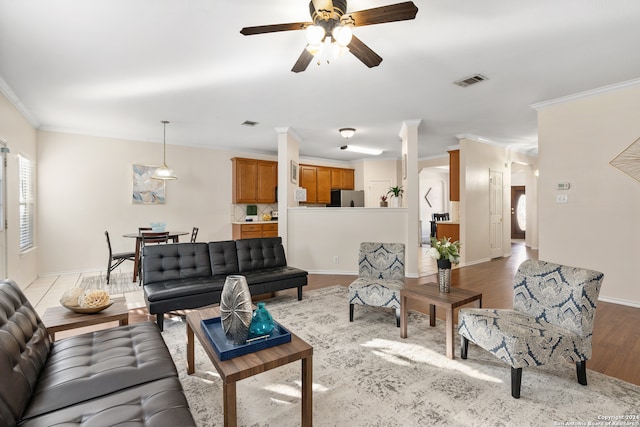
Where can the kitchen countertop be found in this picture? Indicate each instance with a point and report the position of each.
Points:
(255, 222)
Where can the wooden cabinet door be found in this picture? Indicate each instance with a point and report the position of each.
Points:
(308, 180)
(454, 175)
(270, 230)
(245, 175)
(336, 179)
(348, 179)
(267, 180)
(323, 182)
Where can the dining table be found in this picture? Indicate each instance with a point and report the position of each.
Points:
(174, 236)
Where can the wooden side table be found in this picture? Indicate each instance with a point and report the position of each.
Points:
(241, 367)
(59, 318)
(412, 296)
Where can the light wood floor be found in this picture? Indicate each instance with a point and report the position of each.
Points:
(616, 337)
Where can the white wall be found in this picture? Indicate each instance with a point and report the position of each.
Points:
(321, 234)
(598, 228)
(21, 139)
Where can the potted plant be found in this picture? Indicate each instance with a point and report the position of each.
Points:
(383, 201)
(396, 193)
(445, 253)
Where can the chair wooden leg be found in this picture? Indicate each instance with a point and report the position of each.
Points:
(516, 380)
(350, 312)
(464, 346)
(581, 369)
(398, 317)
(160, 321)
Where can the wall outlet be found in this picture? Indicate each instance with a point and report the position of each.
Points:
(562, 198)
(336, 260)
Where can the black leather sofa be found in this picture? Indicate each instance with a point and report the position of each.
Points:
(118, 376)
(191, 275)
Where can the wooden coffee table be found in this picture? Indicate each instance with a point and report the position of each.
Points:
(241, 367)
(416, 296)
(59, 318)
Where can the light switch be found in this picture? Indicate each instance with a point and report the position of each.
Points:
(562, 198)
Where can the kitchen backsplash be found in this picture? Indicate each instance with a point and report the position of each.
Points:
(239, 212)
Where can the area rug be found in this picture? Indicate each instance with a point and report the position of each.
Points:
(364, 374)
(119, 282)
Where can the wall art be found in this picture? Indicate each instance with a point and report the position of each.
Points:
(146, 190)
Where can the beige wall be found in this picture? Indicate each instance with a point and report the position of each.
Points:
(20, 138)
(85, 185)
(599, 227)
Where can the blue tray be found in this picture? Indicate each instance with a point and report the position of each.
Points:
(227, 350)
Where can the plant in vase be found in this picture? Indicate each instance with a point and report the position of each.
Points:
(383, 201)
(445, 253)
(396, 193)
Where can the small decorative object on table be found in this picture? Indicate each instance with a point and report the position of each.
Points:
(235, 309)
(261, 322)
(446, 253)
(86, 300)
(383, 201)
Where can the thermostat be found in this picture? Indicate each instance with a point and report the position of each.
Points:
(563, 186)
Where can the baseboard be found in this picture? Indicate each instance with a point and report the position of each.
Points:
(633, 304)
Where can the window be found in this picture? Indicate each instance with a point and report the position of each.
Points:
(27, 205)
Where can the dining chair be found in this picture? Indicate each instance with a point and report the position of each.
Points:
(116, 259)
(151, 237)
(194, 234)
(441, 216)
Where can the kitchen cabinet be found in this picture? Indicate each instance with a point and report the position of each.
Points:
(254, 230)
(454, 175)
(448, 229)
(254, 181)
(342, 179)
(320, 180)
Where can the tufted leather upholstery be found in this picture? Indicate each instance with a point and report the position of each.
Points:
(206, 265)
(78, 376)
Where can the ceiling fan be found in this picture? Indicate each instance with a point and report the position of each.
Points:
(331, 29)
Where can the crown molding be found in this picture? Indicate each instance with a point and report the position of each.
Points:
(585, 94)
(13, 98)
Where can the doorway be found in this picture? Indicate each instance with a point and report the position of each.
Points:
(518, 212)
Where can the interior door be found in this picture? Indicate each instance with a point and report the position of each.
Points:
(495, 213)
(518, 212)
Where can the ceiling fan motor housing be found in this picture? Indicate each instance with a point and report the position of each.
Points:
(339, 9)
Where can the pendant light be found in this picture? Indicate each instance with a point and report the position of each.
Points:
(163, 172)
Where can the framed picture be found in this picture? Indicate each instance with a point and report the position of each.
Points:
(146, 190)
(294, 172)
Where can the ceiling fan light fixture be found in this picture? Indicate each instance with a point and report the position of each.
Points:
(342, 35)
(163, 172)
(315, 34)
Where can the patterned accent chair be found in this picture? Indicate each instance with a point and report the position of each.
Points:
(551, 321)
(380, 277)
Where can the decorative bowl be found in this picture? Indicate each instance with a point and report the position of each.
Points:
(87, 310)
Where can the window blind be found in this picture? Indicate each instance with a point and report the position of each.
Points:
(27, 201)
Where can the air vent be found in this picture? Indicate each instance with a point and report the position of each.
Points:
(468, 81)
(249, 123)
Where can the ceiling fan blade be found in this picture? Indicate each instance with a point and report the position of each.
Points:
(364, 53)
(303, 61)
(262, 29)
(378, 15)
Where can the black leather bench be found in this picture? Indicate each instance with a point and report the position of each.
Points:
(191, 275)
(117, 376)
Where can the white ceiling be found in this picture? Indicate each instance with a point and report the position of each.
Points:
(118, 67)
